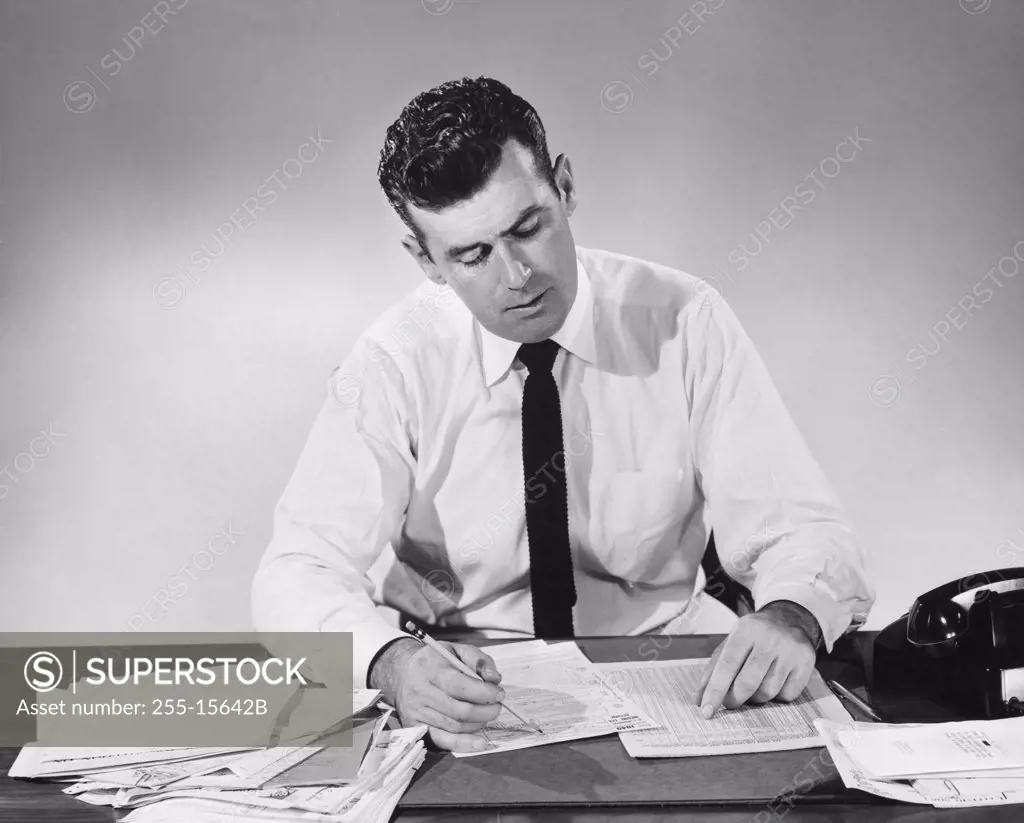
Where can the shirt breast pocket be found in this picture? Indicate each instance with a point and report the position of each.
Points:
(639, 513)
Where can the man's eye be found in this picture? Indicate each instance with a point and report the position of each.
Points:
(476, 261)
(529, 230)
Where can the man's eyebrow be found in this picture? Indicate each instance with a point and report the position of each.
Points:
(529, 211)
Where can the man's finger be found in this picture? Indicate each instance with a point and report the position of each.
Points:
(466, 713)
(478, 660)
(463, 687)
(794, 685)
(433, 718)
(734, 654)
(428, 714)
(459, 742)
(751, 674)
(708, 668)
(771, 684)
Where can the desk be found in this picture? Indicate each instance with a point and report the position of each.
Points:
(828, 801)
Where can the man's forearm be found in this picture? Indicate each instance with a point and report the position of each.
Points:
(386, 671)
(795, 615)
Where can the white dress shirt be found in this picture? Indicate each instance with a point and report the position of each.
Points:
(410, 492)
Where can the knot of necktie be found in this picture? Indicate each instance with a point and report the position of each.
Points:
(539, 357)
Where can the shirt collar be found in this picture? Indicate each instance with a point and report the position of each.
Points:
(576, 334)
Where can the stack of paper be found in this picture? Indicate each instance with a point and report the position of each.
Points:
(311, 781)
(970, 763)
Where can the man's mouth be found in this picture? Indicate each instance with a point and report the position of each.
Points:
(529, 304)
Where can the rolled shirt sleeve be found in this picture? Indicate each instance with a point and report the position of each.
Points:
(344, 502)
(779, 528)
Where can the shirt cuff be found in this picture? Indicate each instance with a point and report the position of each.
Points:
(820, 604)
(368, 640)
(377, 656)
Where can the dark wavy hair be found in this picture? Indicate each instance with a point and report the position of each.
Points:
(448, 141)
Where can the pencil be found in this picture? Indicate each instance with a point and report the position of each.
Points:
(845, 693)
(423, 637)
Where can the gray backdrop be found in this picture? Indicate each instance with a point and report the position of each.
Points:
(848, 174)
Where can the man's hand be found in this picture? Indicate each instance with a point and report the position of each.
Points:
(768, 656)
(425, 688)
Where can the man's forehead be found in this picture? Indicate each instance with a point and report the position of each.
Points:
(482, 216)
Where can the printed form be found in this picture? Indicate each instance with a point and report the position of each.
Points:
(555, 687)
(666, 691)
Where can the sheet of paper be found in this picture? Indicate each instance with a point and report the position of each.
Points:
(281, 799)
(1002, 774)
(840, 738)
(937, 749)
(971, 791)
(362, 699)
(555, 688)
(154, 776)
(844, 739)
(57, 753)
(253, 769)
(666, 691)
(403, 752)
(216, 810)
(374, 757)
(41, 761)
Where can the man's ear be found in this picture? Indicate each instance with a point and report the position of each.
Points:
(416, 251)
(564, 182)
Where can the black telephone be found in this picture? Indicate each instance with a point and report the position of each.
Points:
(961, 646)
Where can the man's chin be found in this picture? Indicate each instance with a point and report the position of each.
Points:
(535, 332)
(527, 329)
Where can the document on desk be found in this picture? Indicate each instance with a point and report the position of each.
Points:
(555, 687)
(971, 791)
(841, 738)
(370, 798)
(985, 787)
(666, 691)
(937, 750)
(149, 777)
(56, 762)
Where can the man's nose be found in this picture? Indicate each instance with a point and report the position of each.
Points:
(516, 272)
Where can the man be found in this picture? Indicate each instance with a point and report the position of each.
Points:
(543, 448)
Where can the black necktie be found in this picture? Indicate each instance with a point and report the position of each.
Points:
(547, 511)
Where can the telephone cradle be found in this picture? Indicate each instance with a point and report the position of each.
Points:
(960, 646)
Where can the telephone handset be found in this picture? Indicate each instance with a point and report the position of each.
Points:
(961, 645)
